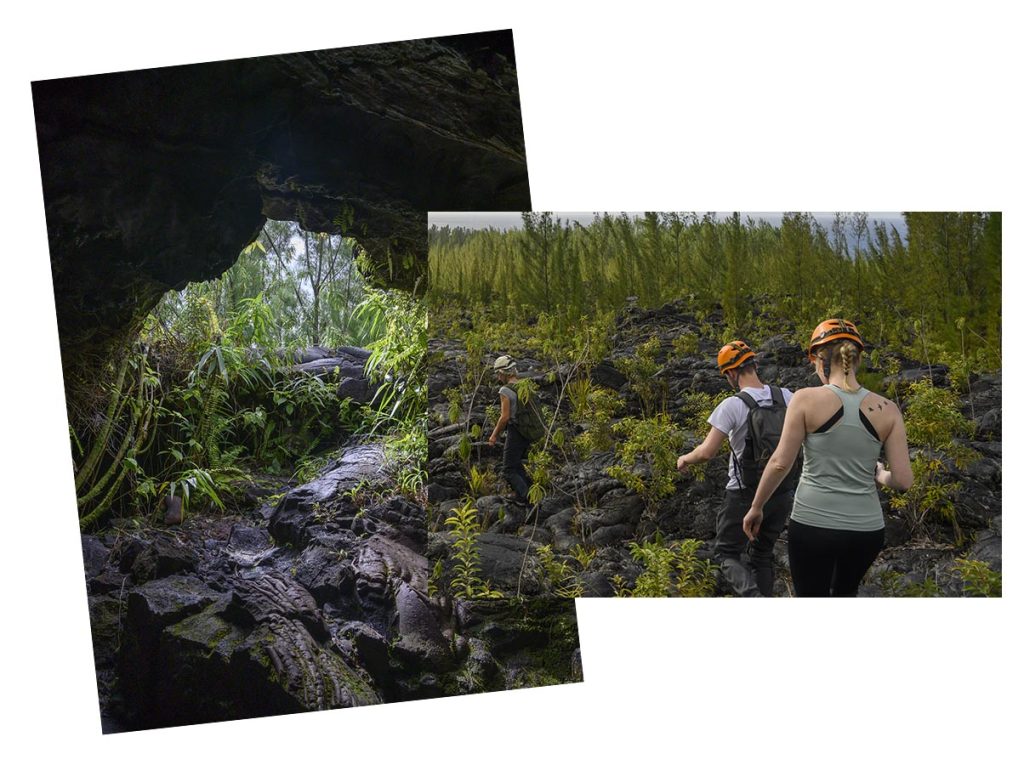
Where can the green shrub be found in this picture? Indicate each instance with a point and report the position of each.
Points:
(593, 408)
(647, 452)
(931, 494)
(669, 570)
(540, 468)
(979, 580)
(641, 371)
(895, 585)
(559, 576)
(933, 416)
(684, 345)
(465, 530)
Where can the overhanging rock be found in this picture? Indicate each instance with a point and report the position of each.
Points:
(159, 177)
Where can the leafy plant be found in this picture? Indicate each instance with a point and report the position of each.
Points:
(931, 494)
(979, 580)
(539, 467)
(895, 585)
(480, 482)
(641, 369)
(593, 408)
(583, 555)
(670, 570)
(647, 451)
(933, 416)
(684, 345)
(465, 530)
(559, 576)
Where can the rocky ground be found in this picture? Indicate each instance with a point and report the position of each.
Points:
(314, 598)
(589, 510)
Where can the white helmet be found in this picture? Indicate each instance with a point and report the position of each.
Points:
(505, 364)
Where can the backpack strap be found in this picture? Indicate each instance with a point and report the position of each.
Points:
(747, 399)
(777, 396)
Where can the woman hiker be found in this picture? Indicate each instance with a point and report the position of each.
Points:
(516, 443)
(836, 529)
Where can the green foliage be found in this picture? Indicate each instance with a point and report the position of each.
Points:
(525, 390)
(204, 395)
(979, 580)
(396, 357)
(697, 407)
(583, 555)
(948, 268)
(307, 468)
(895, 585)
(405, 459)
(464, 527)
(480, 482)
(454, 396)
(593, 408)
(684, 345)
(933, 416)
(191, 483)
(559, 576)
(931, 494)
(540, 469)
(647, 452)
(670, 570)
(641, 369)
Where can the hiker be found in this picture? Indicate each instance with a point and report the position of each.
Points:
(521, 423)
(764, 407)
(836, 529)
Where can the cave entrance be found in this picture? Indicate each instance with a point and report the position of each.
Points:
(308, 286)
(261, 371)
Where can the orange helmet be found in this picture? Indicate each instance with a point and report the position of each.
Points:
(733, 355)
(831, 330)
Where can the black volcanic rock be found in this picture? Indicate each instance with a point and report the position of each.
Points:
(159, 177)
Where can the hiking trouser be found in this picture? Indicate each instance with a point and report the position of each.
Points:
(830, 562)
(516, 448)
(758, 577)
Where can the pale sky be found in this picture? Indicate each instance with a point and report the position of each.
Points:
(510, 220)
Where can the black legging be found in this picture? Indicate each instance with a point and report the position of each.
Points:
(516, 448)
(830, 562)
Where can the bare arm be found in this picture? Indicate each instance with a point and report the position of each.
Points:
(506, 415)
(899, 476)
(705, 451)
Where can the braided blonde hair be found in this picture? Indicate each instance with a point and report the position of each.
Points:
(847, 353)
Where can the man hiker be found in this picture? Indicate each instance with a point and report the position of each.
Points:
(752, 421)
(523, 425)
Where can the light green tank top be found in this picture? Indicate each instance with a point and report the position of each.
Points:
(837, 486)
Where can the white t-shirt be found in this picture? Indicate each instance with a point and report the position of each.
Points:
(730, 417)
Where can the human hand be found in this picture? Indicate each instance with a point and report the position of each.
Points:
(681, 465)
(752, 522)
(881, 474)
(492, 440)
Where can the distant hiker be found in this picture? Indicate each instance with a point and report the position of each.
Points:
(752, 421)
(836, 530)
(523, 424)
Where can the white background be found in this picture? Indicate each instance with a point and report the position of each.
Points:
(627, 106)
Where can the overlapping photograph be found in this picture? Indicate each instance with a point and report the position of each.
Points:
(715, 404)
(239, 255)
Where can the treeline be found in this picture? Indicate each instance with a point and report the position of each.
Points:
(310, 283)
(936, 291)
